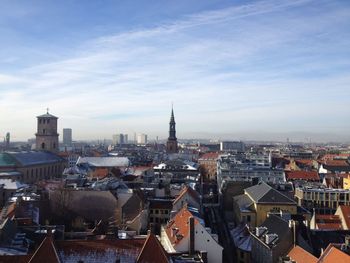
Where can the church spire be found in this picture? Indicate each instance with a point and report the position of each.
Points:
(172, 123)
(172, 140)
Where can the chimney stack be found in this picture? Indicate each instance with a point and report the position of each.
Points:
(191, 245)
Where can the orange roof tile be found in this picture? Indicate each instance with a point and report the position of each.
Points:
(299, 255)
(179, 227)
(328, 222)
(302, 175)
(100, 173)
(342, 163)
(152, 251)
(333, 254)
(210, 156)
(345, 209)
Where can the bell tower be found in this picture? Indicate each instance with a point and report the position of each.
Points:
(47, 136)
(171, 145)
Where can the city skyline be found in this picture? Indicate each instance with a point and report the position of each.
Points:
(250, 70)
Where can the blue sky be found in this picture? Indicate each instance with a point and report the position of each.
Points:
(233, 69)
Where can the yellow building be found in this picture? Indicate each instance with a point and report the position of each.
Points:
(257, 201)
(346, 182)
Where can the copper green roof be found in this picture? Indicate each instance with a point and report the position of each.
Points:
(6, 160)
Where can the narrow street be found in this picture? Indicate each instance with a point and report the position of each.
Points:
(216, 220)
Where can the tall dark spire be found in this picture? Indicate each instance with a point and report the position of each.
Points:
(172, 141)
(172, 123)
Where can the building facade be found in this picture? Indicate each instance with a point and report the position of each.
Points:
(67, 137)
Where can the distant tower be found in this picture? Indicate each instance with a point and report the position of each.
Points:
(7, 140)
(171, 145)
(67, 137)
(47, 136)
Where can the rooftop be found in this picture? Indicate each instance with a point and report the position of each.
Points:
(300, 255)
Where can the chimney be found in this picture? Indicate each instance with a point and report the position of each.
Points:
(191, 241)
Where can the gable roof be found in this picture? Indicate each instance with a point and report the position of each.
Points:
(152, 251)
(263, 193)
(180, 225)
(188, 190)
(333, 254)
(299, 255)
(345, 209)
(46, 252)
(302, 175)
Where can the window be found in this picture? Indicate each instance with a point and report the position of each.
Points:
(157, 211)
(44, 131)
(43, 145)
(248, 218)
(151, 211)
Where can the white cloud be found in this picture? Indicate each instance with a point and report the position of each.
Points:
(223, 69)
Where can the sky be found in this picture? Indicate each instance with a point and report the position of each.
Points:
(264, 70)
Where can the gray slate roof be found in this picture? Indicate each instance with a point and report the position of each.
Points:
(263, 193)
(276, 225)
(244, 202)
(104, 161)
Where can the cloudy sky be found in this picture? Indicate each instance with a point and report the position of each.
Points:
(240, 69)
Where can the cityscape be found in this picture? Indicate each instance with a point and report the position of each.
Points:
(175, 131)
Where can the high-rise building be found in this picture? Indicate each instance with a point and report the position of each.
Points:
(67, 136)
(120, 139)
(47, 136)
(171, 145)
(142, 138)
(7, 140)
(237, 146)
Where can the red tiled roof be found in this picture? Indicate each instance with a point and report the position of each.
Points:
(342, 163)
(187, 190)
(179, 225)
(328, 222)
(45, 253)
(210, 156)
(152, 251)
(300, 255)
(100, 173)
(333, 254)
(302, 175)
(345, 209)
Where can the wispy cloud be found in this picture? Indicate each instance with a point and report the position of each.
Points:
(249, 67)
